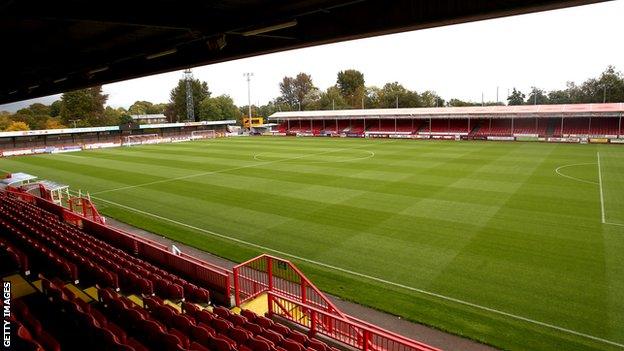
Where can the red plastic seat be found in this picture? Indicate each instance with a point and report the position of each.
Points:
(202, 334)
(190, 309)
(298, 337)
(184, 340)
(317, 345)
(240, 335)
(281, 329)
(221, 344)
(198, 347)
(250, 315)
(222, 312)
(264, 322)
(221, 325)
(204, 317)
(273, 336)
(182, 322)
(257, 344)
(291, 345)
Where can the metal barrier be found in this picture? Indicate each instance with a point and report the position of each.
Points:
(345, 330)
(293, 297)
(268, 273)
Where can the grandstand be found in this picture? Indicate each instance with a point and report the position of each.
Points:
(76, 139)
(566, 123)
(79, 284)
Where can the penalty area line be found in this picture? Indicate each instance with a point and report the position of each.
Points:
(361, 275)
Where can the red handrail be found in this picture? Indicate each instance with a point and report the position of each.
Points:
(348, 330)
(250, 281)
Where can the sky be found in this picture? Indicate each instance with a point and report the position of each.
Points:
(462, 61)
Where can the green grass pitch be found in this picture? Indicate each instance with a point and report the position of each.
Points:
(500, 242)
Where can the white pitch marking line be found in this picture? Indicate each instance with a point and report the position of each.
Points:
(218, 171)
(258, 157)
(466, 303)
(574, 178)
(601, 194)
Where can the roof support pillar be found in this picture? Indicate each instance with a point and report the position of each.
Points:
(512, 125)
(536, 126)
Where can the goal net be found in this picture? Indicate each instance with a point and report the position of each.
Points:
(203, 134)
(141, 139)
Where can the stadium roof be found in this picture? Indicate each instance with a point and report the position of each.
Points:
(520, 111)
(25, 133)
(149, 116)
(17, 178)
(56, 46)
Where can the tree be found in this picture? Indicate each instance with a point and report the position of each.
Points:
(39, 109)
(34, 116)
(536, 97)
(170, 113)
(140, 108)
(177, 96)
(5, 119)
(125, 118)
(609, 87)
(268, 109)
(558, 97)
(430, 98)
(460, 103)
(157, 108)
(55, 108)
(86, 105)
(295, 90)
(350, 83)
(53, 123)
(218, 108)
(17, 126)
(516, 98)
(146, 108)
(332, 99)
(112, 116)
(393, 93)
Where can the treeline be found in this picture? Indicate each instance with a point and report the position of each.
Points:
(86, 107)
(608, 87)
(350, 91)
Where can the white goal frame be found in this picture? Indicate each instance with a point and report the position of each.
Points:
(140, 139)
(203, 134)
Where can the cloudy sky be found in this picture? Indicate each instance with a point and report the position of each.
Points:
(462, 61)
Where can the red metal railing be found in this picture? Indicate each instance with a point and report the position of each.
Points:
(267, 273)
(293, 297)
(345, 330)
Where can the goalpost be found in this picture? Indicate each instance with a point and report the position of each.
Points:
(141, 139)
(203, 134)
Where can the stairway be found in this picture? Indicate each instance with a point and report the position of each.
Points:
(475, 129)
(550, 129)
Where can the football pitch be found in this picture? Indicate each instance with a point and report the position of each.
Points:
(519, 245)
